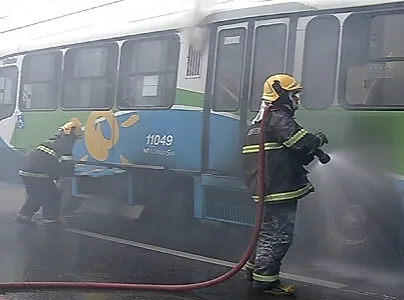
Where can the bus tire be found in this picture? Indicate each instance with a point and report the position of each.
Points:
(359, 221)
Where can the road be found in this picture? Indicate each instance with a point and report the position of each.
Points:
(104, 248)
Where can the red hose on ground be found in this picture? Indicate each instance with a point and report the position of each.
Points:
(19, 286)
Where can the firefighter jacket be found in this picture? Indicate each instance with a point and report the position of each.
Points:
(52, 159)
(288, 148)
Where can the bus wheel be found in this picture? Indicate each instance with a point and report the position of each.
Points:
(362, 221)
(348, 224)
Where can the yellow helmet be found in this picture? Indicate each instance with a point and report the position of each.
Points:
(286, 82)
(74, 123)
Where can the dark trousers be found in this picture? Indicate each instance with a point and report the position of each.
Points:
(274, 241)
(41, 192)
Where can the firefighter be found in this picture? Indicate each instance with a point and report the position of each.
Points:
(288, 148)
(41, 170)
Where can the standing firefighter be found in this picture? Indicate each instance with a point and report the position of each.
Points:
(49, 162)
(288, 148)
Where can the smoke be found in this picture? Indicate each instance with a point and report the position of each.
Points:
(196, 32)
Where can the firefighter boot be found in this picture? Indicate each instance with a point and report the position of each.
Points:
(25, 220)
(54, 222)
(276, 288)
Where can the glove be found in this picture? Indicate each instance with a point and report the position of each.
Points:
(307, 159)
(322, 137)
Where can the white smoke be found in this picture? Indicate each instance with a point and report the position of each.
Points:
(196, 32)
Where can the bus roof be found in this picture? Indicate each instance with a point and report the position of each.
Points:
(254, 8)
(66, 22)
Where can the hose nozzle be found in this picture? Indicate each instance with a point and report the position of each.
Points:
(323, 157)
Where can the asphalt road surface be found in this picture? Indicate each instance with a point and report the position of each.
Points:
(102, 248)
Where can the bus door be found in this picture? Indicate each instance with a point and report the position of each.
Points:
(226, 91)
(245, 54)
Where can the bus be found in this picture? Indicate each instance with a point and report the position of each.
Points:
(165, 109)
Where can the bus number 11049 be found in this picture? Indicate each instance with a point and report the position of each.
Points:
(157, 139)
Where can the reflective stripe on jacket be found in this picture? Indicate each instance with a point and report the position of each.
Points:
(52, 158)
(288, 147)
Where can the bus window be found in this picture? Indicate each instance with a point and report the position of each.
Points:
(148, 72)
(372, 73)
(8, 91)
(40, 81)
(269, 58)
(320, 61)
(89, 77)
(229, 69)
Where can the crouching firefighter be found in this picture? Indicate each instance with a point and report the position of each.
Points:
(288, 148)
(41, 169)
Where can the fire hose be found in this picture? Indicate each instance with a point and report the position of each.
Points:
(20, 286)
(51, 285)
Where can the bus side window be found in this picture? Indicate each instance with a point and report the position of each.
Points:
(372, 65)
(269, 58)
(320, 61)
(8, 91)
(40, 81)
(229, 69)
(90, 77)
(148, 72)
